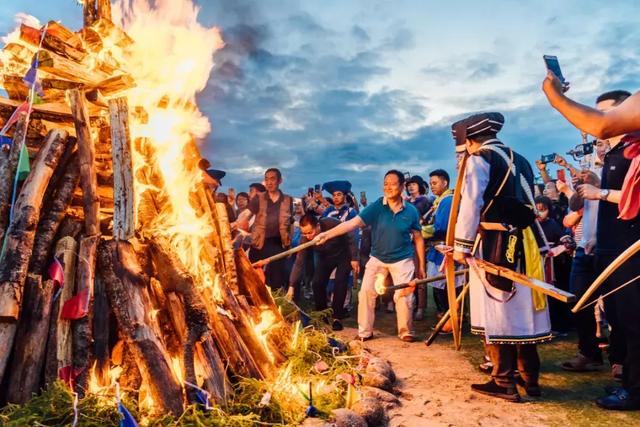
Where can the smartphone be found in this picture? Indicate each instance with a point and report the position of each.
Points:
(553, 65)
(407, 176)
(363, 195)
(310, 191)
(231, 192)
(316, 188)
(561, 176)
(548, 158)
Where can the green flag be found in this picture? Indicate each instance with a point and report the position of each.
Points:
(23, 164)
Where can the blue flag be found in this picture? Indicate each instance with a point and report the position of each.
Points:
(31, 78)
(127, 418)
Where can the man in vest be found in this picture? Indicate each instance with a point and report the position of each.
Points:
(272, 228)
(498, 188)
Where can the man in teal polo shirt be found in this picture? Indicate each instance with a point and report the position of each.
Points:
(395, 240)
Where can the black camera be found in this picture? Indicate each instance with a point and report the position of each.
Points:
(582, 150)
(548, 158)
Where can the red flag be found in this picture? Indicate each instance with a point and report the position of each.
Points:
(68, 375)
(22, 108)
(56, 272)
(76, 307)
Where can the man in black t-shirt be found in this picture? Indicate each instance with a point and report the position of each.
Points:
(340, 254)
(613, 235)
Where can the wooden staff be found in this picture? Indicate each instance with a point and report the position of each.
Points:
(534, 284)
(449, 263)
(445, 318)
(284, 254)
(420, 282)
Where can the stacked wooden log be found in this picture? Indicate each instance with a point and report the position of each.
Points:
(86, 286)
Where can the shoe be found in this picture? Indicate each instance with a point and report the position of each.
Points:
(447, 328)
(493, 389)
(363, 339)
(486, 367)
(559, 334)
(622, 401)
(532, 390)
(610, 389)
(581, 363)
(408, 338)
(336, 325)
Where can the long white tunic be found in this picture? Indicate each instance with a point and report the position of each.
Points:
(502, 322)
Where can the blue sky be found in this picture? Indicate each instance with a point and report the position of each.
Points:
(348, 89)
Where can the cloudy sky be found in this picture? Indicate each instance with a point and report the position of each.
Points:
(337, 89)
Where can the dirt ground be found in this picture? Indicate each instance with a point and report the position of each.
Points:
(434, 384)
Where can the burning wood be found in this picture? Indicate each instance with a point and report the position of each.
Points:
(129, 200)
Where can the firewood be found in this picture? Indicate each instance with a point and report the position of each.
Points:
(59, 346)
(8, 165)
(53, 214)
(103, 9)
(105, 28)
(81, 328)
(124, 213)
(246, 328)
(51, 42)
(29, 351)
(19, 54)
(251, 284)
(21, 232)
(226, 240)
(86, 154)
(53, 112)
(66, 68)
(100, 329)
(89, 12)
(120, 272)
(113, 85)
(64, 34)
(193, 324)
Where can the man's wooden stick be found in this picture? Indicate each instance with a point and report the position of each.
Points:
(380, 291)
(445, 318)
(535, 284)
(284, 254)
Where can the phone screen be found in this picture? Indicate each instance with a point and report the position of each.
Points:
(548, 158)
(554, 66)
(317, 188)
(561, 176)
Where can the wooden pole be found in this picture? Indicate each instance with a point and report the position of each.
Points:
(21, 233)
(59, 346)
(126, 287)
(8, 166)
(444, 319)
(86, 157)
(123, 189)
(29, 351)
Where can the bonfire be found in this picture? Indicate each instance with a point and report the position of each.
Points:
(119, 286)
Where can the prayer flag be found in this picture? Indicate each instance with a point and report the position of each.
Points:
(75, 307)
(31, 78)
(23, 164)
(127, 419)
(56, 272)
(5, 142)
(22, 108)
(68, 375)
